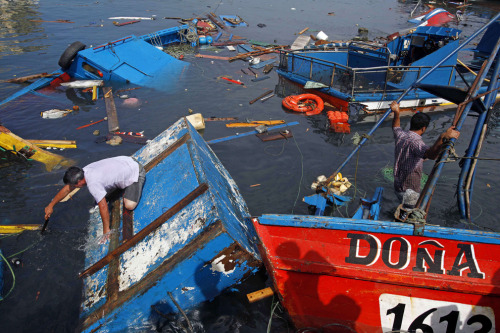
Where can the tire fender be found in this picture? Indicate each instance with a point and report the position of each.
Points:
(69, 54)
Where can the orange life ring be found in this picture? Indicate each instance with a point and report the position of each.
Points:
(310, 104)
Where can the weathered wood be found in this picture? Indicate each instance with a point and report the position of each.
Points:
(260, 294)
(110, 110)
(211, 56)
(256, 123)
(23, 79)
(166, 152)
(146, 231)
(128, 224)
(112, 286)
(70, 195)
(260, 96)
(255, 53)
(54, 143)
(214, 19)
(151, 278)
(220, 118)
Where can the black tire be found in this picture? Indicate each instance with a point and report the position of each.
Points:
(69, 54)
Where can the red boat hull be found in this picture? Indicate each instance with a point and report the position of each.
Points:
(351, 280)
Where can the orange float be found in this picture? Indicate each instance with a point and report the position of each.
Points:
(309, 104)
(339, 121)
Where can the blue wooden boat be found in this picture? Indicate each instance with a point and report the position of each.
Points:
(185, 243)
(130, 60)
(362, 78)
(367, 274)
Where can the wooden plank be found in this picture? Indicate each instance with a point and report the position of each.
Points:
(260, 294)
(211, 56)
(160, 157)
(112, 285)
(260, 96)
(146, 231)
(70, 195)
(54, 143)
(110, 110)
(23, 79)
(255, 53)
(128, 224)
(211, 232)
(256, 123)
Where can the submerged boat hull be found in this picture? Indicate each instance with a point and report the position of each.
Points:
(346, 275)
(185, 243)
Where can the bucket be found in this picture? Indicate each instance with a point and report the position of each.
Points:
(197, 121)
(321, 36)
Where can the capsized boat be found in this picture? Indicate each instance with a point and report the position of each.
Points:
(131, 60)
(364, 274)
(185, 243)
(364, 78)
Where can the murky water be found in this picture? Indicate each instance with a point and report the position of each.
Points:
(273, 177)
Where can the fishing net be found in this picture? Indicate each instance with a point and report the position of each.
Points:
(388, 174)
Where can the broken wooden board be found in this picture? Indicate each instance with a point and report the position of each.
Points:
(300, 42)
(256, 123)
(111, 110)
(211, 56)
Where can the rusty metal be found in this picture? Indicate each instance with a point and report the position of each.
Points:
(146, 231)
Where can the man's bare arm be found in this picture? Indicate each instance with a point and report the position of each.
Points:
(395, 109)
(103, 209)
(58, 197)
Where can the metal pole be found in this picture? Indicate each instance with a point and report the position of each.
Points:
(386, 114)
(429, 188)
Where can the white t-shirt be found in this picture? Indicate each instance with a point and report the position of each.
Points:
(109, 174)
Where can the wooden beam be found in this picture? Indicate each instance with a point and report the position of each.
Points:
(160, 157)
(111, 110)
(146, 231)
(54, 143)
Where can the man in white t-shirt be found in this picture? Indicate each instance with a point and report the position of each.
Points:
(101, 178)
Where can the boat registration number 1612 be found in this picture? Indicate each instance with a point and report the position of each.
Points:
(401, 313)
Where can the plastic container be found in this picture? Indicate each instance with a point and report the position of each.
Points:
(322, 36)
(197, 121)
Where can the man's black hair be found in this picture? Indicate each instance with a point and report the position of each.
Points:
(73, 175)
(419, 121)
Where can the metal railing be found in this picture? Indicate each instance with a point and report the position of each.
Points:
(354, 81)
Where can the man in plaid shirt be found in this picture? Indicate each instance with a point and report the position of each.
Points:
(410, 153)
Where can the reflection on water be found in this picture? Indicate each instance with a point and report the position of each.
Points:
(19, 28)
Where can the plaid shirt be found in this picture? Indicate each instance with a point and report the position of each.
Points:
(408, 160)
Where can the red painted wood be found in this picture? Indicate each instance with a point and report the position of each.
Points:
(318, 287)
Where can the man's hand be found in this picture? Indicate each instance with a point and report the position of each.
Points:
(395, 107)
(451, 133)
(48, 211)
